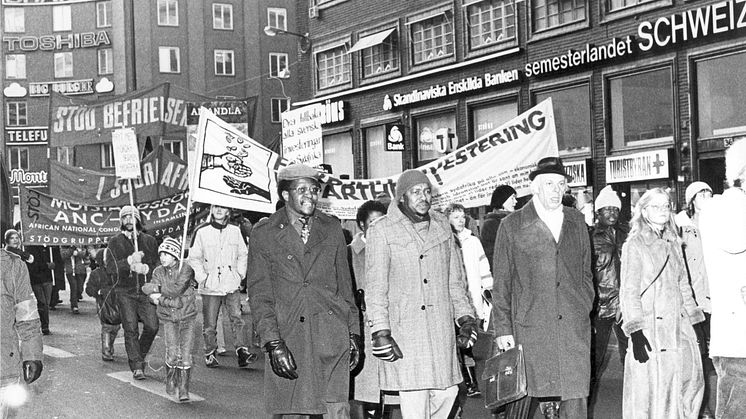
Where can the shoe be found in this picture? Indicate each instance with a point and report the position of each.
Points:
(245, 357)
(138, 374)
(53, 308)
(211, 361)
(46, 332)
(472, 391)
(107, 347)
(221, 351)
(184, 376)
(75, 310)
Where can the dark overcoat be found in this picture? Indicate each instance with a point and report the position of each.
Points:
(543, 295)
(302, 294)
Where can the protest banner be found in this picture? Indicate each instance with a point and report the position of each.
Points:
(301, 135)
(505, 155)
(231, 168)
(48, 220)
(163, 174)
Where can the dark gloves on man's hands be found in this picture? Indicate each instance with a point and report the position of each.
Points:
(356, 350)
(702, 340)
(467, 333)
(639, 343)
(281, 360)
(384, 346)
(31, 371)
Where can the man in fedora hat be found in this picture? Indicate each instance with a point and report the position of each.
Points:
(543, 293)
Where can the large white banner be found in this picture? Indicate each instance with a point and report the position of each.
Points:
(301, 135)
(505, 155)
(231, 169)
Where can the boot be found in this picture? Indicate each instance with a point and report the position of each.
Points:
(107, 347)
(184, 375)
(472, 385)
(172, 379)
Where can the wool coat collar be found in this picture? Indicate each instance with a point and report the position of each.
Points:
(288, 238)
(438, 230)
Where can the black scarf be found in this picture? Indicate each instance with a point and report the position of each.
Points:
(413, 216)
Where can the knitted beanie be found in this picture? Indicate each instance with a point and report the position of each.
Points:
(408, 179)
(607, 198)
(170, 246)
(500, 195)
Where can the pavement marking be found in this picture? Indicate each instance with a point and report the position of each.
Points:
(154, 386)
(57, 353)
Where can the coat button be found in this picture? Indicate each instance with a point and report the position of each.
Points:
(559, 317)
(422, 308)
(424, 280)
(302, 319)
(305, 284)
(290, 257)
(558, 283)
(422, 256)
(331, 312)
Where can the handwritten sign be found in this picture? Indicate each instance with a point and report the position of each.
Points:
(301, 135)
(126, 155)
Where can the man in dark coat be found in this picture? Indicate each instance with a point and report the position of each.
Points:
(503, 203)
(302, 303)
(40, 273)
(543, 293)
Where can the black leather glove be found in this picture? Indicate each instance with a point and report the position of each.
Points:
(467, 332)
(281, 360)
(360, 299)
(639, 343)
(699, 330)
(356, 350)
(384, 346)
(31, 371)
(487, 295)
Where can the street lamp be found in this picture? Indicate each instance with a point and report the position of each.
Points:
(304, 43)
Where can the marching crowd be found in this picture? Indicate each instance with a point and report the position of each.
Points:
(401, 315)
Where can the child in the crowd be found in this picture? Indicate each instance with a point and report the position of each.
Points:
(173, 292)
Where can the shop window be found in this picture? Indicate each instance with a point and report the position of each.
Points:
(338, 154)
(224, 62)
(547, 14)
(641, 108)
(485, 118)
(63, 64)
(277, 18)
(278, 64)
(14, 19)
(721, 95)
(169, 59)
(333, 67)
(572, 117)
(431, 38)
(103, 14)
(490, 22)
(15, 66)
(174, 146)
(380, 163)
(278, 105)
(222, 16)
(105, 61)
(638, 189)
(16, 114)
(436, 136)
(18, 158)
(168, 13)
(107, 156)
(379, 52)
(614, 5)
(61, 18)
(64, 154)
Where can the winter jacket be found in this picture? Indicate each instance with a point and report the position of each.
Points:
(74, 263)
(179, 299)
(543, 295)
(39, 271)
(607, 259)
(478, 275)
(723, 226)
(218, 257)
(416, 288)
(695, 261)
(115, 258)
(489, 233)
(19, 319)
(655, 297)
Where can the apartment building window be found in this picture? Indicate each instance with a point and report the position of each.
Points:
(333, 67)
(61, 18)
(278, 62)
(379, 52)
(63, 64)
(224, 62)
(279, 105)
(16, 114)
(103, 14)
(169, 60)
(15, 66)
(613, 5)
(277, 18)
(432, 38)
(14, 19)
(572, 117)
(168, 13)
(18, 158)
(721, 95)
(63, 155)
(436, 135)
(641, 108)
(548, 14)
(222, 16)
(105, 61)
(489, 22)
(174, 146)
(107, 156)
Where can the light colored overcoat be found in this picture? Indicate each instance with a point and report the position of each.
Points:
(416, 288)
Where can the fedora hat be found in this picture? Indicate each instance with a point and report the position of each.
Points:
(549, 165)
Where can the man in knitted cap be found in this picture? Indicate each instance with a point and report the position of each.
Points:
(607, 236)
(302, 303)
(130, 270)
(723, 226)
(415, 291)
(502, 203)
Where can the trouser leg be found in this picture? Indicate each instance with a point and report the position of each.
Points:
(43, 294)
(146, 311)
(210, 306)
(72, 280)
(238, 326)
(622, 340)
(128, 312)
(80, 282)
(186, 341)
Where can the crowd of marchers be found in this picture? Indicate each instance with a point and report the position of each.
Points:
(394, 315)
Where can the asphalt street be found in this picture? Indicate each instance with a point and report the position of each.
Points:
(76, 383)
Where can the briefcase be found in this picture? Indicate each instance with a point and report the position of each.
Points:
(505, 374)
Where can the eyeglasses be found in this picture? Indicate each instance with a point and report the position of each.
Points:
(302, 190)
(660, 208)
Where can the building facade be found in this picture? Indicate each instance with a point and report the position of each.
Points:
(646, 93)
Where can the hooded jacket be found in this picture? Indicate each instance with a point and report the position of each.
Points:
(218, 257)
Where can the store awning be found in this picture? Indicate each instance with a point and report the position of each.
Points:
(371, 40)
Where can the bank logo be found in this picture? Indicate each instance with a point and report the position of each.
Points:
(387, 106)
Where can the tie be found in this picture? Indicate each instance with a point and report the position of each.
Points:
(305, 230)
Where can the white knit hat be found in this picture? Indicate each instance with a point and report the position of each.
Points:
(607, 198)
(694, 188)
(170, 246)
(735, 161)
